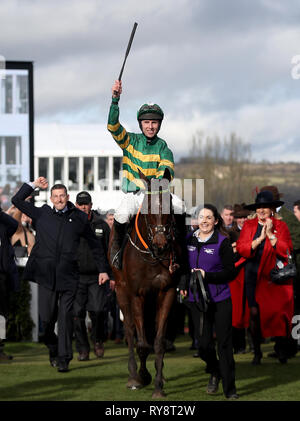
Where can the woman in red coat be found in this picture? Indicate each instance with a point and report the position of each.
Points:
(262, 241)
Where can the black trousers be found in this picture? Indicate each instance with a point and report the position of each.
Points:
(4, 295)
(219, 318)
(57, 307)
(238, 339)
(114, 309)
(92, 297)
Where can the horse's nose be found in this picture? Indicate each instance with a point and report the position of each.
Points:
(160, 241)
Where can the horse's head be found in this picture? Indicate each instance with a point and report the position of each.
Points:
(158, 214)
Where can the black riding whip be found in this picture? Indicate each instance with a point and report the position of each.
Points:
(127, 51)
(128, 48)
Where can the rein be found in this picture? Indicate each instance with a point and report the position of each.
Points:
(147, 249)
(137, 229)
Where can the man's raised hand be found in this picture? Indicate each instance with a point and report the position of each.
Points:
(117, 89)
(41, 182)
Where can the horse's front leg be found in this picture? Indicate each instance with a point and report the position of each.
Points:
(125, 306)
(142, 346)
(164, 303)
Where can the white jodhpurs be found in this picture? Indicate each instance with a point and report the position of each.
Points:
(131, 203)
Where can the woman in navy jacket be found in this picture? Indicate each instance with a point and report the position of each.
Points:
(211, 255)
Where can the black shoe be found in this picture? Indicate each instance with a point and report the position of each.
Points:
(257, 358)
(282, 357)
(83, 356)
(99, 349)
(232, 396)
(272, 355)
(196, 355)
(240, 351)
(213, 384)
(53, 362)
(170, 347)
(53, 356)
(5, 357)
(63, 367)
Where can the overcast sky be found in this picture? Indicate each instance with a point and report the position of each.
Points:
(212, 65)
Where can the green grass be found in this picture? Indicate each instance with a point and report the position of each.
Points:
(29, 377)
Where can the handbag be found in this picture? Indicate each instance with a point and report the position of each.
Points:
(21, 251)
(282, 275)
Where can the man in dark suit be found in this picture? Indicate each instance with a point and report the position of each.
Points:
(9, 280)
(53, 263)
(90, 296)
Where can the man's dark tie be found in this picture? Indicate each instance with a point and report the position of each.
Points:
(60, 213)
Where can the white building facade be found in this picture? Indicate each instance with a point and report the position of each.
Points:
(14, 134)
(82, 157)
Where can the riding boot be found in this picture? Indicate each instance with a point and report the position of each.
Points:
(115, 253)
(180, 237)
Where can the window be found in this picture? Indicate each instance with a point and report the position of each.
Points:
(103, 172)
(88, 171)
(58, 170)
(44, 167)
(22, 93)
(117, 162)
(73, 173)
(11, 149)
(102, 167)
(7, 95)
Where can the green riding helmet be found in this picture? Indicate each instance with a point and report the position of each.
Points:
(150, 112)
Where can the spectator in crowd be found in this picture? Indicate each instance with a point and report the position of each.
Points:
(240, 310)
(117, 329)
(211, 254)
(23, 239)
(297, 209)
(262, 241)
(109, 217)
(227, 216)
(294, 227)
(53, 263)
(20, 328)
(90, 296)
(9, 279)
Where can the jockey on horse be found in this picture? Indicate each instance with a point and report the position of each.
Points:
(146, 152)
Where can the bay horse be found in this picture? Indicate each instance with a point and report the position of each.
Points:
(146, 285)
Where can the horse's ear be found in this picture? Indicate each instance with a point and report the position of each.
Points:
(144, 178)
(167, 174)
